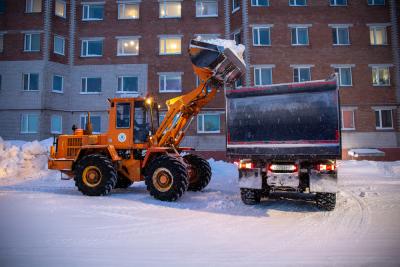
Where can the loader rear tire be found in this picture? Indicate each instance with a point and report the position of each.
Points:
(326, 201)
(166, 178)
(95, 175)
(199, 172)
(123, 182)
(250, 196)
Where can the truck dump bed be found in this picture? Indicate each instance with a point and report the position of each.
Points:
(285, 121)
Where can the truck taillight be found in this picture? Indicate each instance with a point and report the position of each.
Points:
(283, 168)
(326, 167)
(245, 164)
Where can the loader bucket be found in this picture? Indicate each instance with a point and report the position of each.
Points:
(223, 63)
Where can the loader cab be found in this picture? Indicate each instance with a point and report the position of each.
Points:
(132, 121)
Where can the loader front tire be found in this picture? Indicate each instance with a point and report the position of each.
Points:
(326, 201)
(123, 182)
(250, 196)
(199, 172)
(166, 178)
(95, 175)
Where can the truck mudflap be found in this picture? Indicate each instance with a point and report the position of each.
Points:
(323, 182)
(250, 178)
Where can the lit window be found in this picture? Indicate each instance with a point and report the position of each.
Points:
(29, 123)
(340, 35)
(31, 81)
(170, 82)
(297, 2)
(260, 2)
(206, 8)
(299, 36)
(262, 76)
(32, 42)
(383, 119)
(92, 12)
(1, 43)
(59, 44)
(95, 120)
(60, 8)
(208, 123)
(92, 48)
(170, 9)
(128, 11)
(33, 6)
(235, 5)
(261, 36)
(91, 85)
(56, 124)
(376, 2)
(128, 46)
(377, 35)
(58, 83)
(348, 119)
(338, 2)
(345, 77)
(127, 84)
(170, 45)
(301, 74)
(380, 76)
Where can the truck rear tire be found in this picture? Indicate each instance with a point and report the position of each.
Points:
(166, 178)
(95, 175)
(199, 173)
(250, 196)
(123, 182)
(326, 201)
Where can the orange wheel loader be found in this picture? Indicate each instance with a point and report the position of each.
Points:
(137, 147)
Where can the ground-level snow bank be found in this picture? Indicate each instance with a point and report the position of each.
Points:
(19, 159)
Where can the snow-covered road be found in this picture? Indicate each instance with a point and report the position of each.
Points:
(46, 222)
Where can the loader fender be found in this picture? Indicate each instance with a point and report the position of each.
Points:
(108, 150)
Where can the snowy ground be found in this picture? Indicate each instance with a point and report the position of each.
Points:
(46, 222)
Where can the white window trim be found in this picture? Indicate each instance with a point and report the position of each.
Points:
(208, 113)
(29, 82)
(121, 38)
(347, 3)
(271, 66)
(165, 74)
(91, 4)
(374, 28)
(302, 67)
(298, 5)
(164, 3)
(122, 85)
(235, 9)
(124, 5)
(55, 132)
(165, 37)
(30, 42)
(373, 4)
(341, 26)
(65, 8)
(87, 46)
(352, 109)
(207, 16)
(27, 115)
(297, 35)
(54, 45)
(379, 109)
(86, 92)
(258, 33)
(84, 115)
(62, 84)
(381, 66)
(251, 3)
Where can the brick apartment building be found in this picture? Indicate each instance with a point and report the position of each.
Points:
(62, 58)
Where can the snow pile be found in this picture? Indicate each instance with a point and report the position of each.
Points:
(238, 49)
(23, 159)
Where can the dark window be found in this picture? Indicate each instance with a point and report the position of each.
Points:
(2, 6)
(141, 124)
(123, 115)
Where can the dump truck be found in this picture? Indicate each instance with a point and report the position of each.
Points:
(137, 147)
(286, 137)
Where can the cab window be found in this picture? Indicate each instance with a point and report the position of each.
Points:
(123, 115)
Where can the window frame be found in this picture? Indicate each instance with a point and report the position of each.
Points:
(373, 3)
(87, 47)
(130, 38)
(259, 68)
(258, 5)
(352, 110)
(257, 28)
(203, 131)
(86, 86)
(164, 3)
(122, 85)
(64, 3)
(297, 35)
(295, 3)
(335, 3)
(51, 124)
(165, 38)
(85, 116)
(374, 28)
(379, 110)
(29, 82)
(123, 9)
(339, 68)
(380, 67)
(88, 5)
(336, 29)
(62, 84)
(234, 9)
(298, 68)
(30, 50)
(31, 11)
(27, 116)
(165, 75)
(207, 16)
(63, 45)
